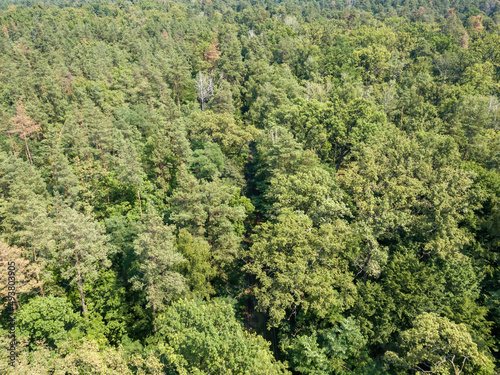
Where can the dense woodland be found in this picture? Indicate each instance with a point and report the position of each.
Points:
(251, 187)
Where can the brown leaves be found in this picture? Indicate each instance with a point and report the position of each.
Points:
(24, 126)
(212, 53)
(476, 22)
(164, 33)
(24, 273)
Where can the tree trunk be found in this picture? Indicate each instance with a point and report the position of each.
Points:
(28, 153)
(401, 125)
(16, 306)
(153, 305)
(12, 145)
(140, 205)
(82, 296)
(163, 177)
(343, 152)
(178, 91)
(80, 284)
(38, 273)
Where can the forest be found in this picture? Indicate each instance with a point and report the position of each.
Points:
(250, 187)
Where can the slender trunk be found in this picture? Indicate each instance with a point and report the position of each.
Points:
(54, 169)
(12, 144)
(455, 370)
(177, 89)
(154, 319)
(153, 305)
(140, 205)
(80, 284)
(28, 154)
(17, 303)
(38, 273)
(82, 297)
(401, 125)
(163, 177)
(343, 153)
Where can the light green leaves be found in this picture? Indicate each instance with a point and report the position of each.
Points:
(299, 267)
(436, 345)
(207, 339)
(158, 258)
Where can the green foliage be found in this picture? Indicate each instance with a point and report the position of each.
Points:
(408, 188)
(208, 339)
(299, 267)
(72, 357)
(107, 298)
(198, 269)
(82, 249)
(157, 258)
(313, 192)
(340, 350)
(50, 319)
(344, 163)
(436, 345)
(207, 162)
(204, 208)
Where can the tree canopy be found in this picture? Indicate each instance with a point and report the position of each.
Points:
(250, 187)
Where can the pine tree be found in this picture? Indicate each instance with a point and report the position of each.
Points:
(23, 273)
(158, 259)
(205, 208)
(222, 99)
(24, 127)
(82, 249)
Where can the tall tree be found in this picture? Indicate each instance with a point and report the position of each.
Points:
(158, 259)
(23, 212)
(436, 345)
(207, 337)
(204, 85)
(18, 272)
(210, 209)
(24, 127)
(82, 249)
(300, 269)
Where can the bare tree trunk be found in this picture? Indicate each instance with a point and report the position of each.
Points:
(204, 87)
